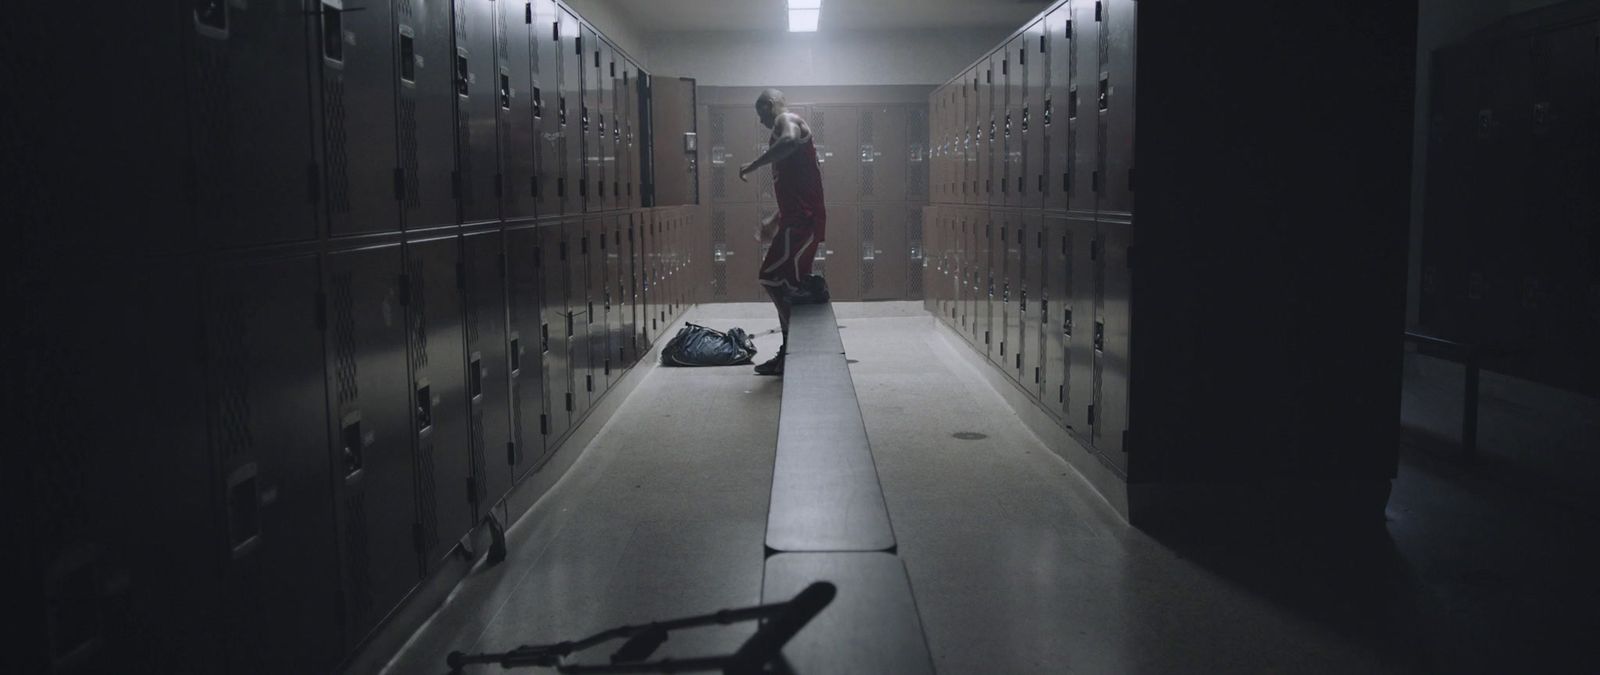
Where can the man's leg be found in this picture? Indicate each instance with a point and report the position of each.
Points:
(779, 275)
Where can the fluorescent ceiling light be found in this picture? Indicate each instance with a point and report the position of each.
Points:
(803, 20)
(805, 4)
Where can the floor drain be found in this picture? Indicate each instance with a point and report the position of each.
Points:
(969, 435)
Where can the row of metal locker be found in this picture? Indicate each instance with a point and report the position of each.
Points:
(1045, 297)
(867, 153)
(352, 413)
(1046, 119)
(1511, 255)
(405, 115)
(873, 251)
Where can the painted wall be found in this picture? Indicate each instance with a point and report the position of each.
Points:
(754, 59)
(618, 26)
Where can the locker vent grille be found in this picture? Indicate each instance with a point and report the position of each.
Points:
(334, 143)
(344, 338)
(408, 150)
(419, 315)
(427, 497)
(230, 352)
(403, 8)
(358, 556)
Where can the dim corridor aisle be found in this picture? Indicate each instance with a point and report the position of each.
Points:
(1016, 564)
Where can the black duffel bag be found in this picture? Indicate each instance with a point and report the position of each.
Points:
(696, 345)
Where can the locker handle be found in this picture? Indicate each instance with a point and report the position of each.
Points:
(353, 449)
(463, 74)
(244, 510)
(424, 406)
(1099, 336)
(408, 56)
(544, 338)
(516, 355)
(475, 373)
(1047, 109)
(1105, 91)
(332, 31)
(505, 90)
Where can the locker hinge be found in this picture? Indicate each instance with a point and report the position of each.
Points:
(569, 401)
(313, 183)
(499, 185)
(562, 250)
(555, 31)
(578, 41)
(511, 453)
(527, 13)
(533, 186)
(472, 491)
(1068, 33)
(588, 383)
(1091, 414)
(322, 311)
(1099, 11)
(1130, 180)
(405, 290)
(583, 245)
(416, 538)
(538, 257)
(544, 424)
(399, 183)
(455, 184)
(503, 264)
(1094, 249)
(461, 275)
(561, 187)
(1094, 181)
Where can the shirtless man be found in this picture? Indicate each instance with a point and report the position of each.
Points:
(800, 223)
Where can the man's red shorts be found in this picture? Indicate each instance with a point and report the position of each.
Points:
(789, 259)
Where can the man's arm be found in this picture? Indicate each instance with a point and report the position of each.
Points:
(790, 138)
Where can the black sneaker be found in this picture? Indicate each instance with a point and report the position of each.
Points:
(772, 367)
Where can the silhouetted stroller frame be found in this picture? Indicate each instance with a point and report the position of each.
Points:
(764, 649)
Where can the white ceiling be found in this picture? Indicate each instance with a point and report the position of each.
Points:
(665, 16)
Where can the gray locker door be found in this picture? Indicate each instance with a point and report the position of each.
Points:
(1011, 124)
(1031, 303)
(555, 341)
(1054, 307)
(971, 138)
(1011, 243)
(570, 185)
(577, 315)
(434, 312)
(358, 121)
(837, 130)
(594, 311)
(371, 416)
(247, 68)
(645, 247)
(611, 246)
(489, 381)
(917, 227)
(477, 106)
(1036, 65)
(1057, 167)
(883, 137)
(885, 258)
(736, 255)
(627, 117)
(593, 167)
(838, 257)
(544, 98)
(525, 347)
(991, 268)
(986, 128)
(735, 137)
(427, 108)
(996, 157)
(628, 286)
(268, 413)
(1116, 95)
(519, 129)
(969, 276)
(604, 70)
(1112, 337)
(1083, 120)
(1079, 324)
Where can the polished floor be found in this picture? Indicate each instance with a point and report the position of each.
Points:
(1016, 564)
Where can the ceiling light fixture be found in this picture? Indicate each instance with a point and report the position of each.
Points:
(804, 15)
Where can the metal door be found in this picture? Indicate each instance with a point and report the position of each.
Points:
(1015, 89)
(1083, 120)
(605, 71)
(525, 340)
(885, 257)
(1055, 307)
(358, 121)
(1031, 305)
(544, 96)
(1059, 55)
(916, 229)
(434, 312)
(370, 418)
(972, 114)
(628, 286)
(1112, 342)
(569, 114)
(837, 131)
(478, 98)
(1115, 92)
(970, 283)
(519, 129)
(1078, 323)
(611, 248)
(593, 166)
(489, 379)
(1011, 239)
(575, 255)
(883, 138)
(248, 65)
(594, 288)
(997, 157)
(627, 122)
(735, 253)
(736, 137)
(267, 412)
(985, 303)
(427, 98)
(1035, 58)
(554, 339)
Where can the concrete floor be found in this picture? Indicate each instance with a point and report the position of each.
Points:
(1016, 564)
